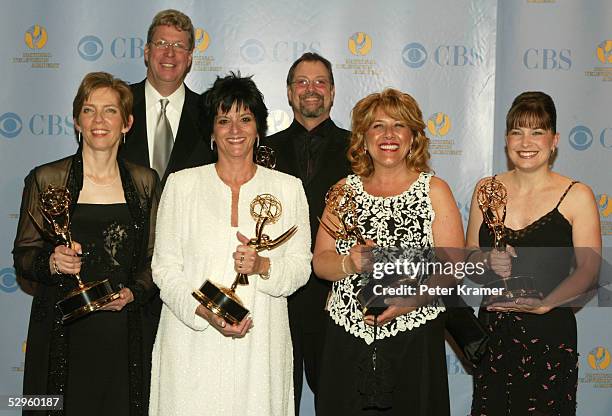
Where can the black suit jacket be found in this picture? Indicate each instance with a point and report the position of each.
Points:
(307, 304)
(191, 147)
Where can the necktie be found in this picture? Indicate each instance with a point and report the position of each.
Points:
(163, 141)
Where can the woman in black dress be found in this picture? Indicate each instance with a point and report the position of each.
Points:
(100, 363)
(531, 365)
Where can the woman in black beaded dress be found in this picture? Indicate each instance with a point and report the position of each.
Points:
(100, 363)
(552, 233)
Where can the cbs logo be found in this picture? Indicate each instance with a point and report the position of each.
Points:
(10, 125)
(414, 55)
(8, 280)
(548, 59)
(90, 48)
(581, 137)
(254, 51)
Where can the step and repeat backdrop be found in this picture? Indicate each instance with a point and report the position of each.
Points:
(464, 61)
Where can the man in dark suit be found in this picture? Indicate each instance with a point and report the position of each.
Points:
(167, 133)
(167, 55)
(313, 149)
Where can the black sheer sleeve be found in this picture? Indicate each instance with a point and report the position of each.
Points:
(143, 196)
(31, 251)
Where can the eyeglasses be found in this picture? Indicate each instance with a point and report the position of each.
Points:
(305, 83)
(164, 44)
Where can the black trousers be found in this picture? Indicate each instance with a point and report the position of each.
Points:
(307, 352)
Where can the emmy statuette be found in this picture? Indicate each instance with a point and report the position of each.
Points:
(54, 205)
(492, 198)
(223, 301)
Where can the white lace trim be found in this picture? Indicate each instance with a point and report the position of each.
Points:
(384, 220)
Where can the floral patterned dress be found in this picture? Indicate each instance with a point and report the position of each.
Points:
(531, 364)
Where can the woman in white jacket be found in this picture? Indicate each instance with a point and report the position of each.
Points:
(201, 363)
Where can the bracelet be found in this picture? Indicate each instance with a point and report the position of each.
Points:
(266, 275)
(343, 265)
(55, 268)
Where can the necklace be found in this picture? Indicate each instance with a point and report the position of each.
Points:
(105, 185)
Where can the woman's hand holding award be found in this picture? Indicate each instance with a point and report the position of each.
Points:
(54, 205)
(492, 198)
(340, 201)
(222, 301)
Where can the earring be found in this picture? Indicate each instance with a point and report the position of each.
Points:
(365, 150)
(123, 138)
(257, 141)
(212, 143)
(79, 139)
(409, 153)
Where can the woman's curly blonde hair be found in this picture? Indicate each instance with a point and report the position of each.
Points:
(400, 106)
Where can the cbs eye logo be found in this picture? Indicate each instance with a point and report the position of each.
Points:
(8, 280)
(10, 125)
(581, 137)
(414, 55)
(253, 51)
(90, 48)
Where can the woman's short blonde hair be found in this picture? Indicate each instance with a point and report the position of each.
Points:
(400, 106)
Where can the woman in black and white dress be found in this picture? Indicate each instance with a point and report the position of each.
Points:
(400, 204)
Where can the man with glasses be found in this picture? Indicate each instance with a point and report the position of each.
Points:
(313, 149)
(167, 133)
